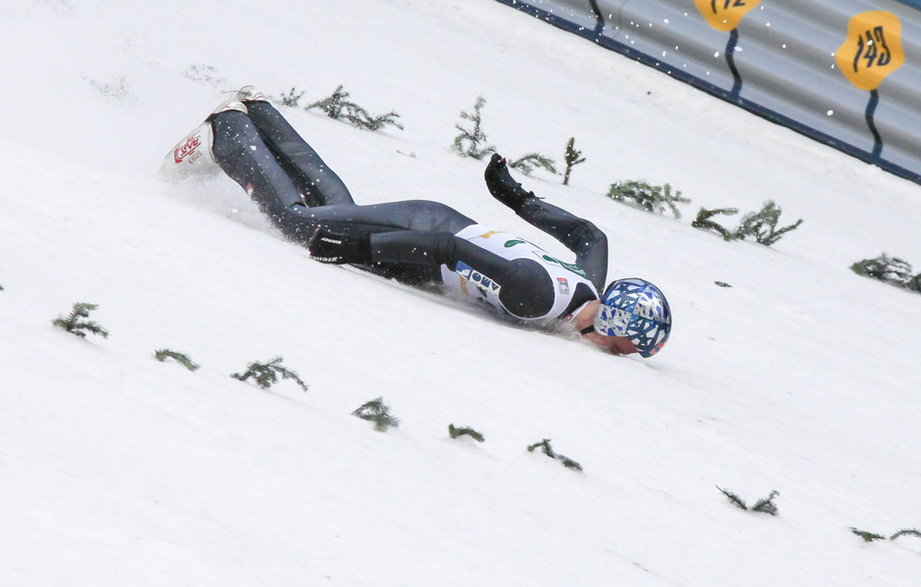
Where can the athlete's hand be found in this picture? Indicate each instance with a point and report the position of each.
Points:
(501, 184)
(327, 246)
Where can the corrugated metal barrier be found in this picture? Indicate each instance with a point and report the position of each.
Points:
(844, 72)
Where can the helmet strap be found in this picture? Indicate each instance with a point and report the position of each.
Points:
(587, 330)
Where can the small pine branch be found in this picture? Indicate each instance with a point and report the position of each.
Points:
(266, 374)
(572, 157)
(648, 197)
(766, 505)
(75, 323)
(527, 163)
(547, 449)
(472, 142)
(338, 107)
(762, 225)
(914, 284)
(906, 532)
(292, 98)
(163, 354)
(735, 499)
(455, 432)
(891, 270)
(379, 413)
(867, 536)
(703, 221)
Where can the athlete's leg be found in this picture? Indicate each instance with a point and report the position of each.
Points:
(317, 182)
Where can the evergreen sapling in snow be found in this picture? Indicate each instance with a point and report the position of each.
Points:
(291, 98)
(891, 270)
(764, 505)
(704, 223)
(762, 225)
(572, 157)
(472, 142)
(378, 412)
(529, 162)
(458, 431)
(76, 324)
(266, 374)
(648, 197)
(547, 449)
(338, 107)
(163, 354)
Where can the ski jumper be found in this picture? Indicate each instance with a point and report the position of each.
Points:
(415, 241)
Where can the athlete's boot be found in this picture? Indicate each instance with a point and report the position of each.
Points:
(192, 156)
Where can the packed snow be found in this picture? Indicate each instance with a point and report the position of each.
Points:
(117, 469)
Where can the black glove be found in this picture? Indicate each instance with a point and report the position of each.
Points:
(502, 186)
(331, 247)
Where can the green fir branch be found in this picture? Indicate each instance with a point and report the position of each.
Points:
(547, 449)
(867, 536)
(703, 221)
(572, 157)
(891, 270)
(458, 431)
(906, 532)
(733, 498)
(291, 98)
(766, 505)
(472, 142)
(266, 374)
(648, 197)
(183, 359)
(378, 412)
(338, 107)
(762, 225)
(75, 324)
(527, 163)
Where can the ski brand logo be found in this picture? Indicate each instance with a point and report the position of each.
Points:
(513, 242)
(486, 286)
(188, 150)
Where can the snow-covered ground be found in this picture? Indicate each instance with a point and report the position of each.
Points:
(116, 469)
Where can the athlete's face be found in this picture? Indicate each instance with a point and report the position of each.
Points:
(618, 345)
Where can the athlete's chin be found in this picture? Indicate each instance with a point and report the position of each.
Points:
(616, 345)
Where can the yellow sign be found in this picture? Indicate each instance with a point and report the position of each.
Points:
(873, 49)
(725, 15)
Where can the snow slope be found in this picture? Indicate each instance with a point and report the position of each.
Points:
(116, 469)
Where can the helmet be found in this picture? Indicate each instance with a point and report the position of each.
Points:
(636, 309)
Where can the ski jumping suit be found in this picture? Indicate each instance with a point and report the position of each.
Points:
(415, 241)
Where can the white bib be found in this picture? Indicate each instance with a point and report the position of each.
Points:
(469, 282)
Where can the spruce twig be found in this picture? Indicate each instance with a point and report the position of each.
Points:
(766, 505)
(891, 270)
(735, 499)
(338, 107)
(867, 536)
(183, 359)
(457, 431)
(266, 374)
(572, 157)
(906, 532)
(74, 323)
(527, 163)
(703, 221)
(472, 142)
(763, 225)
(379, 413)
(648, 197)
(292, 98)
(547, 449)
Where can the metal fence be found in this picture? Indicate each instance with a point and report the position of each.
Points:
(844, 72)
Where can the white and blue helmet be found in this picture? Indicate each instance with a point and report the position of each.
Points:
(635, 309)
